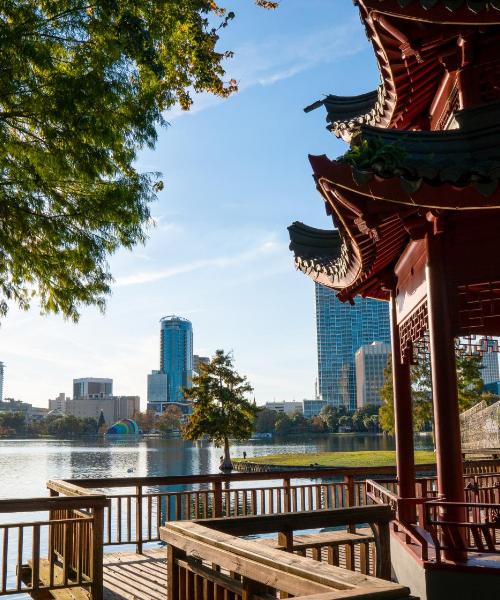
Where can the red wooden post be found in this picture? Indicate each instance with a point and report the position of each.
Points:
(403, 419)
(444, 381)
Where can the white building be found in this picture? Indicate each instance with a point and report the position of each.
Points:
(371, 361)
(289, 408)
(114, 408)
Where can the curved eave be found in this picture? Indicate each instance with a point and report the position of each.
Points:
(323, 255)
(376, 238)
(345, 114)
(453, 12)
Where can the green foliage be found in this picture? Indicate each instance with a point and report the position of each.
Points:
(69, 426)
(375, 155)
(265, 421)
(12, 423)
(83, 86)
(221, 409)
(331, 415)
(469, 383)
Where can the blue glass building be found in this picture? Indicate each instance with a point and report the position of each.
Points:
(176, 355)
(342, 329)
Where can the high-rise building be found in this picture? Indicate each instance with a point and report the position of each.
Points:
(342, 329)
(490, 371)
(176, 355)
(176, 364)
(92, 387)
(2, 368)
(371, 362)
(157, 391)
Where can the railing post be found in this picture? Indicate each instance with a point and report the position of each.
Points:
(173, 554)
(287, 499)
(384, 547)
(97, 553)
(217, 487)
(350, 498)
(138, 520)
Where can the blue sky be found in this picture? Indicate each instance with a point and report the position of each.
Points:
(236, 175)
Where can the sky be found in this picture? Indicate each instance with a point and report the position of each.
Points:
(236, 175)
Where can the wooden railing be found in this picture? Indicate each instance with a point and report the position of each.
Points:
(207, 559)
(476, 531)
(479, 532)
(138, 506)
(61, 551)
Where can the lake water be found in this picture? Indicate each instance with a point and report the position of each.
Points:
(25, 465)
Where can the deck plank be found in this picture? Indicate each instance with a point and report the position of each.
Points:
(129, 576)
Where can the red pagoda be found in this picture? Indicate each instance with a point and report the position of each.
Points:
(416, 207)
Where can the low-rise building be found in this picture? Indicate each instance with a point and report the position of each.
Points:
(30, 412)
(112, 407)
(312, 408)
(289, 408)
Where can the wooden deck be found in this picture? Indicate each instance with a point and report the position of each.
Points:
(129, 576)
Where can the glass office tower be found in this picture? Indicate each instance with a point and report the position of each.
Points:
(176, 355)
(341, 330)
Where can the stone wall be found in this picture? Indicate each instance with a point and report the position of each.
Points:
(480, 426)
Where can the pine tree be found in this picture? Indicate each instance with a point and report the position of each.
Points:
(221, 409)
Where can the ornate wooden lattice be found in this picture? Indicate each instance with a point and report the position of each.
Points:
(412, 331)
(478, 344)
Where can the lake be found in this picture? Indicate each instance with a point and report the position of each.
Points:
(25, 465)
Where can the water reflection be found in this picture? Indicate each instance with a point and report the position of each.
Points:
(26, 465)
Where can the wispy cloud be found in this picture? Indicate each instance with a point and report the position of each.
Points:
(266, 248)
(283, 57)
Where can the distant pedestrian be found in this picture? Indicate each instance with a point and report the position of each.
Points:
(244, 455)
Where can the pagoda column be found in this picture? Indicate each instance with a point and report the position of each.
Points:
(444, 377)
(403, 420)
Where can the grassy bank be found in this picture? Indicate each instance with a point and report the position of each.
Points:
(371, 458)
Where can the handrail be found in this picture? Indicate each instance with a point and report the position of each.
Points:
(261, 569)
(297, 473)
(73, 536)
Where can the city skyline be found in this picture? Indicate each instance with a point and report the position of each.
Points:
(342, 329)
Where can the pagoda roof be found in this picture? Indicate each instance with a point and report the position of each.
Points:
(322, 254)
(345, 114)
(381, 190)
(410, 55)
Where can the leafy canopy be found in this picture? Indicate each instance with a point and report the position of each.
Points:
(221, 409)
(469, 383)
(83, 86)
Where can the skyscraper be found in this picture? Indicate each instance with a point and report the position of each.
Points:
(176, 355)
(371, 362)
(342, 329)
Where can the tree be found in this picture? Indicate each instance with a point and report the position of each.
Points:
(331, 415)
(170, 418)
(221, 409)
(469, 383)
(84, 87)
(12, 422)
(145, 420)
(265, 421)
